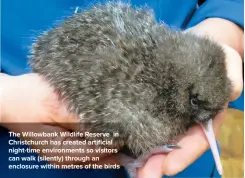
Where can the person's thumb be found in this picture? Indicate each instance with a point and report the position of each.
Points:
(234, 70)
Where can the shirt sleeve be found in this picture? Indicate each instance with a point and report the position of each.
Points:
(232, 10)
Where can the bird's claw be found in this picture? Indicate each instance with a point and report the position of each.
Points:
(172, 146)
(165, 149)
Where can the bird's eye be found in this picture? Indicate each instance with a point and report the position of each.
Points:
(194, 102)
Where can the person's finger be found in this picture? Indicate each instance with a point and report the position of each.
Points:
(153, 167)
(234, 70)
(193, 145)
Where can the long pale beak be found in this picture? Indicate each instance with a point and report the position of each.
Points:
(209, 132)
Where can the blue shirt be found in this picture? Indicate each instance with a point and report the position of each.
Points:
(23, 20)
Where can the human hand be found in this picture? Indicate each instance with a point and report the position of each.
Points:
(29, 103)
(194, 143)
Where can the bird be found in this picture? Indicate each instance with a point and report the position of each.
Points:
(121, 71)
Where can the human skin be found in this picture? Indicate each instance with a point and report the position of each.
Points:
(36, 101)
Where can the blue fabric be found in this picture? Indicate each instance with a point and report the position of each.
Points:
(232, 10)
(239, 103)
(23, 20)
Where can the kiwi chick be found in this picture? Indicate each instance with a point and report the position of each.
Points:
(121, 71)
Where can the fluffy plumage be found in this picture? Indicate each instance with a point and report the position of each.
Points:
(121, 71)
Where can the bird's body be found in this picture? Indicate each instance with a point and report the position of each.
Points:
(120, 71)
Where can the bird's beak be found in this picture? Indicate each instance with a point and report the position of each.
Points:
(209, 132)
